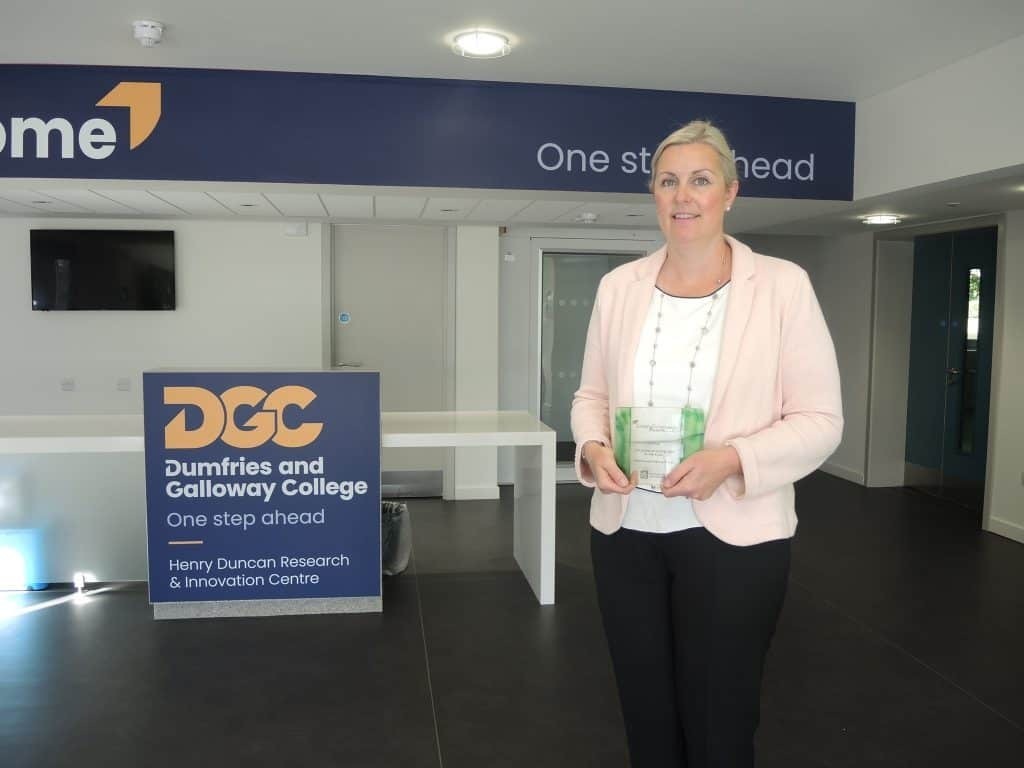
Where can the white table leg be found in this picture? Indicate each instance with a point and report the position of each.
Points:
(534, 521)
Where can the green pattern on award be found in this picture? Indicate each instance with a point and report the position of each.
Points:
(653, 440)
(693, 430)
(622, 441)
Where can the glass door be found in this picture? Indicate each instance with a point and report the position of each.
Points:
(969, 357)
(569, 282)
(951, 364)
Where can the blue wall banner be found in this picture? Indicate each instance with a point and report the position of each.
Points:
(262, 485)
(230, 125)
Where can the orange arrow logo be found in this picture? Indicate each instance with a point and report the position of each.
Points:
(143, 102)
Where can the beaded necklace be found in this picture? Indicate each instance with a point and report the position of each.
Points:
(700, 340)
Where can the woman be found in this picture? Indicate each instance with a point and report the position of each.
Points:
(690, 580)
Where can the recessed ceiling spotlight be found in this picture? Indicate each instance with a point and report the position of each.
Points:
(882, 218)
(449, 210)
(481, 44)
(952, 204)
(41, 202)
(633, 215)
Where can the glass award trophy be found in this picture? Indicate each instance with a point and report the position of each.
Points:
(651, 441)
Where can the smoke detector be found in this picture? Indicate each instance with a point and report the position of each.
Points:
(148, 33)
(587, 218)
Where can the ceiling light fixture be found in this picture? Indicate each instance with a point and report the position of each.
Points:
(587, 218)
(882, 218)
(481, 44)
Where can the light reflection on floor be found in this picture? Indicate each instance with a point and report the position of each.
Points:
(13, 604)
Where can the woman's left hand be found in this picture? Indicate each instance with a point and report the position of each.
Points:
(698, 476)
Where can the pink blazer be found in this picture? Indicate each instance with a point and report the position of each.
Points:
(776, 397)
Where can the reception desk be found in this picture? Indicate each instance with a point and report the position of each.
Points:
(532, 441)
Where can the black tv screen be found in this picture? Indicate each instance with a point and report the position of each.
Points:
(102, 269)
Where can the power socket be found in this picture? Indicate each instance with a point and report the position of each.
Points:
(124, 385)
(67, 385)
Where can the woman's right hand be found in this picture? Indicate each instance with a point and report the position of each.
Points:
(607, 475)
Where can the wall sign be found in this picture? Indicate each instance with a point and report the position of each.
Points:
(262, 485)
(229, 125)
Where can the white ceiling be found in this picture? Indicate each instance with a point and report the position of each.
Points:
(113, 199)
(819, 49)
(832, 49)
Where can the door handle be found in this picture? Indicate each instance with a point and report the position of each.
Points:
(951, 374)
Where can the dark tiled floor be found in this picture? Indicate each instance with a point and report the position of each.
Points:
(899, 645)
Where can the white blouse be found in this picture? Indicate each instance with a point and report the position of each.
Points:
(661, 374)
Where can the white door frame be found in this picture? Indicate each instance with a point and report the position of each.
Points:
(881, 386)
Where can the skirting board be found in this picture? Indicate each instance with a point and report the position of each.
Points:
(474, 492)
(411, 484)
(840, 471)
(1006, 528)
(565, 472)
(219, 609)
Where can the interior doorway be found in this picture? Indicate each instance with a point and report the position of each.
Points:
(390, 310)
(952, 324)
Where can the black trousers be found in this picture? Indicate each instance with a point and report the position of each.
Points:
(689, 620)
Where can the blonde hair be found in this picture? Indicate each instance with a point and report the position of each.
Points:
(694, 132)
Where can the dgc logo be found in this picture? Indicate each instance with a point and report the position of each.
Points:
(219, 417)
(97, 138)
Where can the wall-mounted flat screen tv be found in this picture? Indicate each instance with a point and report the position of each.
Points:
(102, 269)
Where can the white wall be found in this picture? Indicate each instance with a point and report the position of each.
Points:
(805, 251)
(959, 120)
(890, 363)
(843, 280)
(1004, 497)
(476, 353)
(841, 270)
(247, 295)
